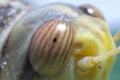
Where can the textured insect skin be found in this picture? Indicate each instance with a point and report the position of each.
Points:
(90, 37)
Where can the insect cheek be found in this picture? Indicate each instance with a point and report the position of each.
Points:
(49, 49)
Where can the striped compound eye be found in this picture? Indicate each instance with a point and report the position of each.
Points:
(92, 11)
(49, 48)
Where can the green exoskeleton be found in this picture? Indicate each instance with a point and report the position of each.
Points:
(55, 42)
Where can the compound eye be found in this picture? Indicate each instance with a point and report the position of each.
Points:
(92, 11)
(49, 49)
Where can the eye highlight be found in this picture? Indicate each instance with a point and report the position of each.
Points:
(92, 11)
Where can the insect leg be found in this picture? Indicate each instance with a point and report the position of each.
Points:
(116, 37)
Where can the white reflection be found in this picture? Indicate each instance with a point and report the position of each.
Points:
(3, 64)
(91, 11)
(61, 27)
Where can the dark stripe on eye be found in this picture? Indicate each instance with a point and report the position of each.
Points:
(38, 39)
(62, 56)
(61, 52)
(43, 44)
(49, 44)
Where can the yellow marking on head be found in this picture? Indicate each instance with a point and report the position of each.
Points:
(102, 34)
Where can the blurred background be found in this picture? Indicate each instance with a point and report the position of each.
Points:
(110, 8)
(111, 11)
